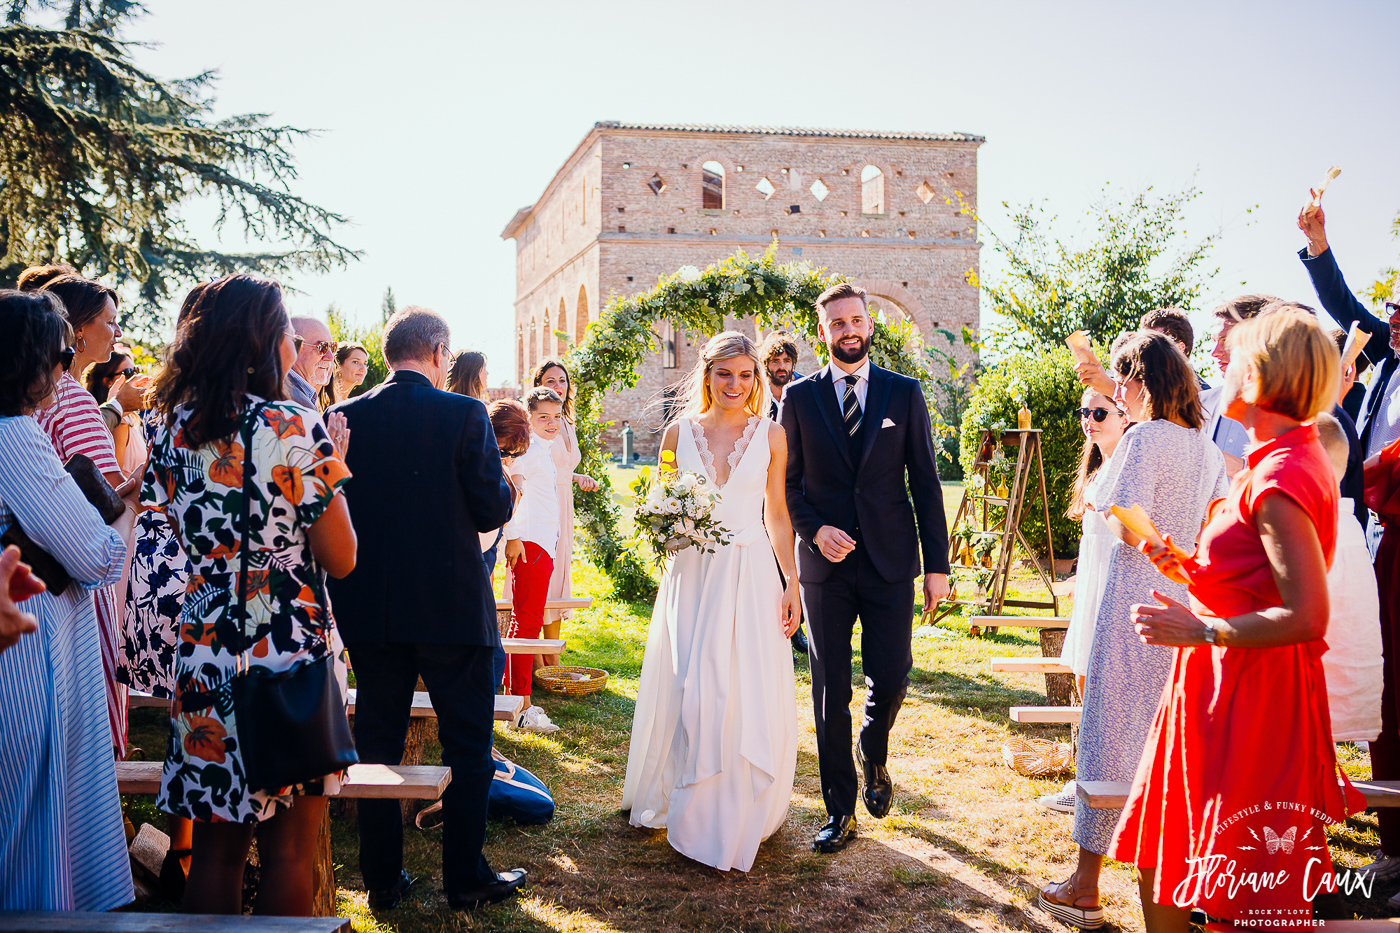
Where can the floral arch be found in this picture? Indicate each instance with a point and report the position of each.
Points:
(739, 286)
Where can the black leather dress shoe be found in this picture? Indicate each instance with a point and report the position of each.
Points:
(833, 836)
(799, 641)
(506, 884)
(389, 898)
(879, 790)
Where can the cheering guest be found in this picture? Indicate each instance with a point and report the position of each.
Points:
(552, 374)
(351, 368)
(468, 375)
(427, 481)
(1165, 465)
(227, 442)
(61, 840)
(75, 426)
(532, 541)
(1249, 657)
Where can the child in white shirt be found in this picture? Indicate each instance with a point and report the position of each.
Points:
(532, 538)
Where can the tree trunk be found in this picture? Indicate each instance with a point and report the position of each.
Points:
(323, 873)
(1059, 688)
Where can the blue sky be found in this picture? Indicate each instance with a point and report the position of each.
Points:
(439, 120)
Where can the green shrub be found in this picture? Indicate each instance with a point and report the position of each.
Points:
(1047, 385)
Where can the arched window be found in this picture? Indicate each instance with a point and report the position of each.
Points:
(712, 186)
(872, 190)
(581, 316)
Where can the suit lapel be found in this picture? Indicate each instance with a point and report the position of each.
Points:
(877, 402)
(831, 412)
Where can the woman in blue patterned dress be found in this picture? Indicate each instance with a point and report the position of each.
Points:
(61, 840)
(1166, 465)
(232, 349)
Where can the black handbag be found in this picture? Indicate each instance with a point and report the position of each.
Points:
(292, 726)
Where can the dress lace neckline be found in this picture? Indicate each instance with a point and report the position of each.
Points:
(707, 458)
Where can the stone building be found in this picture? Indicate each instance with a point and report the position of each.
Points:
(635, 201)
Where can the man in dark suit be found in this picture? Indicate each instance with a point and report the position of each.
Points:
(854, 430)
(427, 479)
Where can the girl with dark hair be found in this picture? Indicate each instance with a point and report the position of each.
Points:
(1166, 466)
(468, 375)
(75, 426)
(61, 841)
(351, 368)
(222, 383)
(553, 374)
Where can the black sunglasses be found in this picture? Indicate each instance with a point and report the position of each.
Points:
(1098, 414)
(128, 372)
(65, 356)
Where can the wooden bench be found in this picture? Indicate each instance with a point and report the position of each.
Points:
(1020, 621)
(1030, 666)
(507, 707)
(75, 921)
(576, 602)
(533, 645)
(1113, 795)
(1069, 714)
(362, 782)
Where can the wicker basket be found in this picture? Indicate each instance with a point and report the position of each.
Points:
(575, 681)
(1036, 756)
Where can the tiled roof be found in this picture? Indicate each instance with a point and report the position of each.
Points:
(788, 131)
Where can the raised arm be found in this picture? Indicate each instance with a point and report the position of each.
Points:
(1338, 300)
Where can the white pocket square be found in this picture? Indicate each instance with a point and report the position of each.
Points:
(888, 424)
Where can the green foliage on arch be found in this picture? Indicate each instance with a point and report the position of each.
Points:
(614, 347)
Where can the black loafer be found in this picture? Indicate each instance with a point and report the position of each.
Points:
(879, 790)
(506, 884)
(833, 836)
(389, 898)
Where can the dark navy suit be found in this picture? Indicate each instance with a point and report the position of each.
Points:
(426, 479)
(865, 495)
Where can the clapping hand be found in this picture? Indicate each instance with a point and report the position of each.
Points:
(16, 585)
(1168, 623)
(1168, 560)
(1313, 223)
(130, 393)
(339, 431)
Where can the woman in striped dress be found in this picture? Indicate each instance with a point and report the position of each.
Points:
(75, 426)
(61, 841)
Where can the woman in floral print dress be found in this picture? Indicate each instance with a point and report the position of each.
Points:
(231, 352)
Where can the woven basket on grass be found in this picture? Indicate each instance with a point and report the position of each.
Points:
(1036, 756)
(575, 681)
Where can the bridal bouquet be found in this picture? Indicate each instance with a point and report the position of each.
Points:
(675, 510)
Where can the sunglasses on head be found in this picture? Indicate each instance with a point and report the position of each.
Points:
(1098, 414)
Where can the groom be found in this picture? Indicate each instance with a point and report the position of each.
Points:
(853, 429)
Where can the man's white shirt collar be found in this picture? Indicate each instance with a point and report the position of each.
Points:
(863, 374)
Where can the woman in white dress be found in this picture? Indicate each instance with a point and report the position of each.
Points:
(714, 737)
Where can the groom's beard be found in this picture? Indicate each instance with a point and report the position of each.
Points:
(851, 356)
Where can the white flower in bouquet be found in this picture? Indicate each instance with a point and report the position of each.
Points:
(672, 506)
(695, 508)
(686, 483)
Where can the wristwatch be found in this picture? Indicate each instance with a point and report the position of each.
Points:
(1212, 634)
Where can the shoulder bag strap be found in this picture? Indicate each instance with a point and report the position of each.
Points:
(243, 543)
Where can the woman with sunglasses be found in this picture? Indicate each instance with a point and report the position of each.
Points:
(1164, 464)
(75, 426)
(61, 840)
(1103, 423)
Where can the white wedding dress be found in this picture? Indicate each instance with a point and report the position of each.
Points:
(714, 737)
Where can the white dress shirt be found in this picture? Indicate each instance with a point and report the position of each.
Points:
(536, 515)
(1227, 433)
(838, 379)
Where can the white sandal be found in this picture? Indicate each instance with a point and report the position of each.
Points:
(1085, 918)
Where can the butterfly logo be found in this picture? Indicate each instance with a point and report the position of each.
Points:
(1273, 841)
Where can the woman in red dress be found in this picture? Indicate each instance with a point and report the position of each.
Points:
(1239, 776)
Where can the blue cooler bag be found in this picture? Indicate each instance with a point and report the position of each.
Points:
(518, 794)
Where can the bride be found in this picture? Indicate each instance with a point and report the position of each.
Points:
(714, 738)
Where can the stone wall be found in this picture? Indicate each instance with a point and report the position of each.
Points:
(628, 206)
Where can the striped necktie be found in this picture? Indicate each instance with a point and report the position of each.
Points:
(850, 412)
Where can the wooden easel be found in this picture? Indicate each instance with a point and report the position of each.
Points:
(976, 509)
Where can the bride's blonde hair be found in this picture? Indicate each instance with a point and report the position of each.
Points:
(695, 397)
